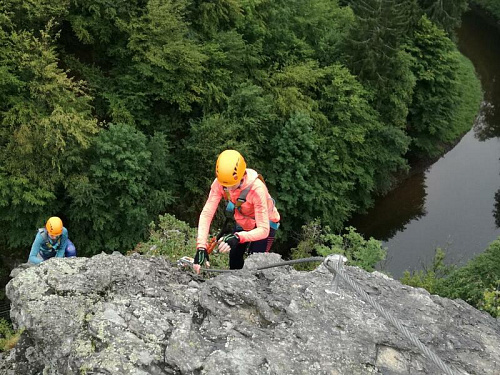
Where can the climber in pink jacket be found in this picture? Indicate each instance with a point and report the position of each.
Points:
(256, 216)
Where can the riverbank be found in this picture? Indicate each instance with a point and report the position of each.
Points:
(489, 11)
(463, 120)
(450, 202)
(477, 283)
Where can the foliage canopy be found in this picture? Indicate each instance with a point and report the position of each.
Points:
(112, 113)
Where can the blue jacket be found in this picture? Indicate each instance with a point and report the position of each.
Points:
(48, 249)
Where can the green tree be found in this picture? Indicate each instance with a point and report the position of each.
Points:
(34, 15)
(373, 51)
(141, 60)
(293, 171)
(111, 203)
(435, 67)
(446, 14)
(361, 151)
(45, 124)
(211, 17)
(168, 61)
(379, 30)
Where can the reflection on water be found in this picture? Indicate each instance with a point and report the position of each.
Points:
(452, 210)
(450, 204)
(480, 41)
(482, 129)
(392, 213)
(496, 211)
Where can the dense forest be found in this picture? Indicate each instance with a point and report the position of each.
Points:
(112, 113)
(490, 6)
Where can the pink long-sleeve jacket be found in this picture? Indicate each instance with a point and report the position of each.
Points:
(255, 213)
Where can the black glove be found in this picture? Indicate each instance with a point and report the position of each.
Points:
(201, 256)
(232, 240)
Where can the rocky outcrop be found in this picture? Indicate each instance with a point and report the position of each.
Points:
(113, 314)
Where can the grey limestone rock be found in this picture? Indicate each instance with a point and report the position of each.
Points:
(113, 314)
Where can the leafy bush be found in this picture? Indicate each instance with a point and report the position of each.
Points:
(430, 277)
(359, 252)
(318, 240)
(471, 281)
(310, 238)
(437, 87)
(477, 283)
(492, 6)
(491, 301)
(173, 239)
(8, 336)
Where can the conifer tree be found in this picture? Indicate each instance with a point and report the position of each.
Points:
(445, 13)
(45, 124)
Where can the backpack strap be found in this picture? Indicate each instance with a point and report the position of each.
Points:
(44, 234)
(240, 200)
(45, 237)
(243, 195)
(243, 198)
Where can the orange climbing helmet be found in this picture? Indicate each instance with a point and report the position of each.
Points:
(54, 226)
(230, 168)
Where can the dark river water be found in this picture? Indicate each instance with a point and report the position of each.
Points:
(455, 203)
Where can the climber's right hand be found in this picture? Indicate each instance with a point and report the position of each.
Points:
(200, 258)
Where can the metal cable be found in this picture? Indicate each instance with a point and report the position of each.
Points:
(289, 262)
(280, 264)
(216, 270)
(335, 268)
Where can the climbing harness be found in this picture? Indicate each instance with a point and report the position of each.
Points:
(242, 198)
(45, 237)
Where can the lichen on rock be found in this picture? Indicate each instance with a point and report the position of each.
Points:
(115, 314)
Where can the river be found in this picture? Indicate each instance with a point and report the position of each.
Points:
(455, 203)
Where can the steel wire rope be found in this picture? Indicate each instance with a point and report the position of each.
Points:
(335, 268)
(280, 264)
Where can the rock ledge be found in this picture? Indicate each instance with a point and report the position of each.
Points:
(112, 314)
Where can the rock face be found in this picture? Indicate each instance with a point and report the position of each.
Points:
(113, 314)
